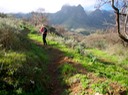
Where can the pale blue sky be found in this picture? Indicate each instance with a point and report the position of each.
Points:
(8, 6)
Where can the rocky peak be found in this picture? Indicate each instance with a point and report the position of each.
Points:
(72, 9)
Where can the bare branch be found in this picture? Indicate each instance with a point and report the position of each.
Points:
(118, 21)
(120, 7)
(101, 3)
(125, 24)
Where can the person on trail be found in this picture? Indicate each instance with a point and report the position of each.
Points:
(43, 31)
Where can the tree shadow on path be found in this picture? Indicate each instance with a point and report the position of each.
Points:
(54, 56)
(56, 59)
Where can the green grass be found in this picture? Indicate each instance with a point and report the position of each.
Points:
(19, 68)
(101, 87)
(95, 61)
(23, 64)
(36, 37)
(101, 63)
(102, 56)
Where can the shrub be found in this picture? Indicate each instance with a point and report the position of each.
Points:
(11, 37)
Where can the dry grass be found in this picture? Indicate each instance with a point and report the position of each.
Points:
(11, 36)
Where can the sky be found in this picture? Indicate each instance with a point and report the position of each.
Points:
(52, 6)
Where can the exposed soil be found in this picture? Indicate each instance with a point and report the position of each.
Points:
(58, 58)
(55, 57)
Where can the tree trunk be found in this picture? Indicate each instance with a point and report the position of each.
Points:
(118, 22)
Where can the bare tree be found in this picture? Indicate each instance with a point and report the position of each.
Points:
(121, 9)
(39, 17)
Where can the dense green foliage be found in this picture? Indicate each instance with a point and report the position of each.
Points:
(24, 63)
(103, 71)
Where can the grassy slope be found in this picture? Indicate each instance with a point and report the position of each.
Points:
(25, 72)
(23, 64)
(19, 69)
(103, 75)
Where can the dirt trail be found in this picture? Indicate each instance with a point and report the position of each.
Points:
(57, 58)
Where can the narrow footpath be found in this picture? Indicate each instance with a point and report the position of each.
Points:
(57, 58)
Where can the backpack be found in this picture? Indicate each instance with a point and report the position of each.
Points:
(45, 30)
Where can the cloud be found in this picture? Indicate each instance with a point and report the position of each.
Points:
(48, 5)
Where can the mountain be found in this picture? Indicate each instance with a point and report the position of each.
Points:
(21, 15)
(70, 17)
(100, 18)
(76, 17)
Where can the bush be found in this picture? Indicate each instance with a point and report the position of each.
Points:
(11, 37)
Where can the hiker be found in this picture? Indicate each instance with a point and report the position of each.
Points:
(43, 31)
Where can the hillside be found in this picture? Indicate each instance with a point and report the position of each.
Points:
(68, 65)
(83, 71)
(76, 17)
(73, 17)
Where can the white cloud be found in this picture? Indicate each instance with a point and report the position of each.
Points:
(48, 5)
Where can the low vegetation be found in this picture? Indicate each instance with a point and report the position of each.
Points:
(22, 63)
(87, 65)
(90, 70)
